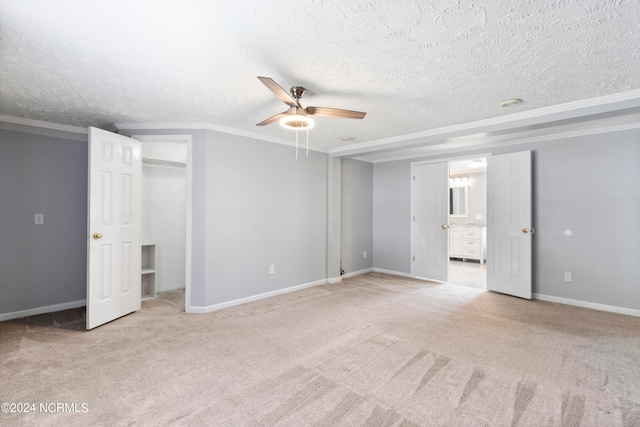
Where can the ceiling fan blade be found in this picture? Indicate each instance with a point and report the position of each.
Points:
(335, 112)
(282, 94)
(273, 119)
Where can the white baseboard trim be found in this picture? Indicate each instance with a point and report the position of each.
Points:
(357, 273)
(333, 280)
(395, 273)
(42, 310)
(587, 304)
(220, 306)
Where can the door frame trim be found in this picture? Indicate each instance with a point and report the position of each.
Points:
(188, 139)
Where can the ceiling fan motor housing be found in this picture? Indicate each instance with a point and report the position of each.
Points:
(297, 91)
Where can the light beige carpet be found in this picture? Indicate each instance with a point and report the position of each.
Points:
(373, 350)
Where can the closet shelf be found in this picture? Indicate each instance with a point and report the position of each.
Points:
(148, 271)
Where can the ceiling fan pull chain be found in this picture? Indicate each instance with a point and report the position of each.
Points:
(307, 142)
(296, 144)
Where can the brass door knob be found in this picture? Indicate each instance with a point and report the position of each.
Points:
(525, 230)
(444, 226)
(97, 236)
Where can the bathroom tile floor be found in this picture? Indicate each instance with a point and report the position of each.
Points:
(468, 273)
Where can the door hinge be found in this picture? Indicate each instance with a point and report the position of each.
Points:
(414, 177)
(414, 258)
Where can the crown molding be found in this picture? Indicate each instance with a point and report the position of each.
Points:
(213, 127)
(44, 125)
(541, 116)
(436, 153)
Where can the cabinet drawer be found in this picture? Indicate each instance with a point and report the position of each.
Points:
(471, 253)
(472, 234)
(471, 244)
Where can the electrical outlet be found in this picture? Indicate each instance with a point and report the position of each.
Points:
(567, 276)
(39, 219)
(272, 269)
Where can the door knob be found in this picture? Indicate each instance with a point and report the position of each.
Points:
(525, 230)
(444, 226)
(97, 236)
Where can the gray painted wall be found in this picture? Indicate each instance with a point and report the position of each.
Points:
(253, 205)
(334, 208)
(392, 216)
(42, 265)
(263, 208)
(588, 185)
(585, 184)
(357, 215)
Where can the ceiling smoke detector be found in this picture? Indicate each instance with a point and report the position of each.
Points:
(512, 102)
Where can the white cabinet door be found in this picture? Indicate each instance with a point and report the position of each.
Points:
(509, 226)
(113, 270)
(455, 242)
(430, 236)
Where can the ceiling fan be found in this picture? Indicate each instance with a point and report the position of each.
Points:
(296, 116)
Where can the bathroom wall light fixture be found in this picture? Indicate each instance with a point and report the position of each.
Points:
(459, 182)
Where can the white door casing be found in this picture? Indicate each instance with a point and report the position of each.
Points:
(509, 224)
(430, 219)
(113, 264)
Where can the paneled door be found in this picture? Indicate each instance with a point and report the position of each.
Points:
(113, 265)
(430, 221)
(509, 224)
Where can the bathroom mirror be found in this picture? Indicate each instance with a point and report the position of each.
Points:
(458, 201)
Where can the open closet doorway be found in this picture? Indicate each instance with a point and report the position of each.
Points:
(164, 220)
(467, 222)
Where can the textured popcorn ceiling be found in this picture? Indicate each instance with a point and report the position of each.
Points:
(412, 66)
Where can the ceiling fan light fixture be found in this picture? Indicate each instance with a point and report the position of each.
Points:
(296, 122)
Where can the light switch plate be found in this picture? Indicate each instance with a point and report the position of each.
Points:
(39, 219)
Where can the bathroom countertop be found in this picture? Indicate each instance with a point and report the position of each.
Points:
(467, 224)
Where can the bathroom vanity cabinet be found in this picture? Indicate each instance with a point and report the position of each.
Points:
(468, 243)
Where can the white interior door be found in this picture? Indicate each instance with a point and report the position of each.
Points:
(430, 232)
(113, 270)
(509, 224)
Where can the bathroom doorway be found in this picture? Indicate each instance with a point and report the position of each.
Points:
(467, 222)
